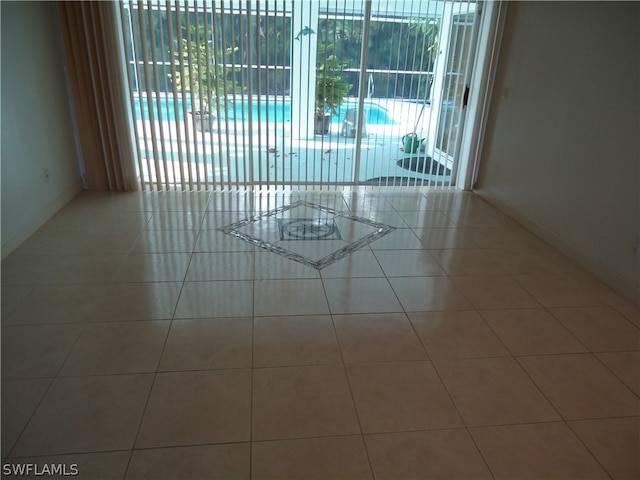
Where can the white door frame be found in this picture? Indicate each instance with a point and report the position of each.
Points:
(483, 77)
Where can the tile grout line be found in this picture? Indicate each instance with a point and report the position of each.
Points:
(346, 374)
(566, 421)
(155, 374)
(586, 447)
(53, 379)
(406, 314)
(464, 422)
(37, 407)
(251, 386)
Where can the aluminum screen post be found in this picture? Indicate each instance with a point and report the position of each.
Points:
(304, 46)
(362, 90)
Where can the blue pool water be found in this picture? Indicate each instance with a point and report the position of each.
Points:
(272, 112)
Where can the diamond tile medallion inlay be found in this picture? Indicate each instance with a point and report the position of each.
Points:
(308, 229)
(308, 233)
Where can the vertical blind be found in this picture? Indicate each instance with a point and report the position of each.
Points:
(272, 94)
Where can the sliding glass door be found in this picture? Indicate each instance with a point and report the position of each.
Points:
(283, 93)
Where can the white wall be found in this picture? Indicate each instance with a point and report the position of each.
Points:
(562, 149)
(37, 132)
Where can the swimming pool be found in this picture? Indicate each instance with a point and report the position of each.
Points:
(164, 109)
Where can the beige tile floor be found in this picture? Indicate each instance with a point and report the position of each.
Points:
(138, 341)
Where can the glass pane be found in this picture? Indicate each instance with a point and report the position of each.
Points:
(452, 98)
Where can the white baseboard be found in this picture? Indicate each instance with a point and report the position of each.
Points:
(30, 225)
(596, 268)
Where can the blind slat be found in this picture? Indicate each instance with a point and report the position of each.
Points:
(157, 122)
(176, 112)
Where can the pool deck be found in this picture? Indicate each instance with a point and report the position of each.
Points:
(223, 156)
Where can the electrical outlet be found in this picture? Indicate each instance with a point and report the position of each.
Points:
(46, 175)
